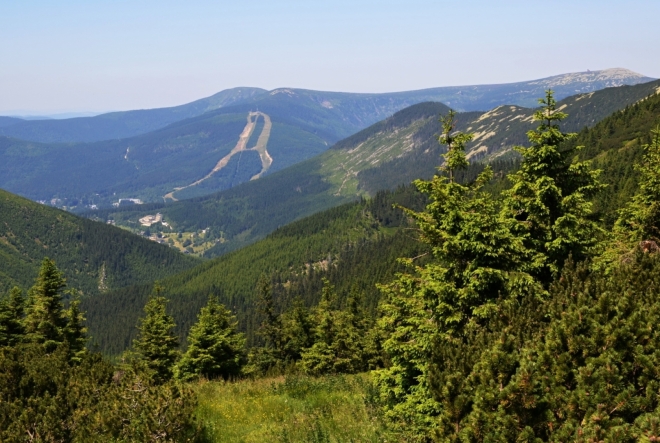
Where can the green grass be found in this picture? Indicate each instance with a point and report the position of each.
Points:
(290, 409)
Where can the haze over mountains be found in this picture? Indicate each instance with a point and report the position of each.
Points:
(357, 110)
(211, 144)
(387, 154)
(324, 235)
(356, 244)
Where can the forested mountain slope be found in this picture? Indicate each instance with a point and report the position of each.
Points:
(8, 121)
(152, 165)
(389, 153)
(495, 133)
(355, 244)
(227, 139)
(341, 242)
(95, 257)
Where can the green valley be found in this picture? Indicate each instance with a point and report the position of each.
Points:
(334, 305)
(96, 257)
(383, 156)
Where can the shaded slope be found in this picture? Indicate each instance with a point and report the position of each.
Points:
(392, 152)
(354, 244)
(8, 121)
(93, 256)
(146, 166)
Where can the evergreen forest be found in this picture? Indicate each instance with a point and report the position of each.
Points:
(516, 300)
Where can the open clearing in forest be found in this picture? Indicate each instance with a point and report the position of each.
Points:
(241, 145)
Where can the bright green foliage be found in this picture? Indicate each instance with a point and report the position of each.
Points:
(297, 330)
(547, 202)
(156, 345)
(75, 330)
(46, 398)
(640, 219)
(587, 373)
(475, 263)
(53, 390)
(291, 409)
(134, 407)
(215, 348)
(468, 377)
(11, 316)
(340, 337)
(45, 320)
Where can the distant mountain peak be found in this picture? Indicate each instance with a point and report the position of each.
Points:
(288, 91)
(612, 77)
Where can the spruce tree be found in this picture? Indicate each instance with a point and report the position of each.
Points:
(297, 330)
(271, 355)
(215, 347)
(339, 337)
(156, 345)
(547, 204)
(11, 318)
(45, 320)
(319, 358)
(271, 326)
(475, 261)
(75, 330)
(639, 221)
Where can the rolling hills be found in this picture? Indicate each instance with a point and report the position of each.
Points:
(188, 151)
(353, 111)
(389, 153)
(95, 257)
(354, 245)
(114, 125)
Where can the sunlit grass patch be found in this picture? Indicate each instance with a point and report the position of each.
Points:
(290, 409)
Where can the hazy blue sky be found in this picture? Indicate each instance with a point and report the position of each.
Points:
(86, 55)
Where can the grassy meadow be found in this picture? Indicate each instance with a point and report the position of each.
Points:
(290, 409)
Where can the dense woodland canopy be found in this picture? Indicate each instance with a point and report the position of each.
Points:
(95, 257)
(523, 306)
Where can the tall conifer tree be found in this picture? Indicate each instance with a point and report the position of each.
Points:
(156, 344)
(45, 320)
(475, 261)
(547, 204)
(640, 219)
(11, 318)
(75, 330)
(215, 347)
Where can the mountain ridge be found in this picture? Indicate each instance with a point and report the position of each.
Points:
(389, 153)
(361, 109)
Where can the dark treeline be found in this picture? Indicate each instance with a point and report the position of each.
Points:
(492, 304)
(351, 236)
(295, 257)
(96, 257)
